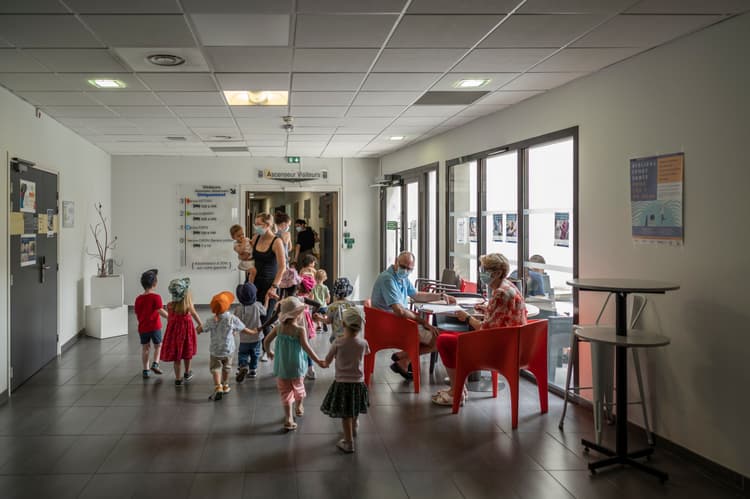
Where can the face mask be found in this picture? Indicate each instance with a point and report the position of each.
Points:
(297, 228)
(285, 229)
(259, 229)
(402, 273)
(485, 277)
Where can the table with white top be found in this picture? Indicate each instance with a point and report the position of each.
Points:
(622, 339)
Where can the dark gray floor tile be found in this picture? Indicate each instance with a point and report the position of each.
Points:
(483, 485)
(548, 452)
(32, 487)
(32, 455)
(113, 420)
(90, 376)
(99, 396)
(154, 454)
(360, 484)
(584, 485)
(52, 375)
(429, 485)
(153, 485)
(74, 421)
(267, 485)
(318, 452)
(271, 453)
(538, 484)
(18, 421)
(217, 485)
(225, 454)
(86, 454)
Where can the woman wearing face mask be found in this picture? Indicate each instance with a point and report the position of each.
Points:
(270, 260)
(283, 221)
(505, 308)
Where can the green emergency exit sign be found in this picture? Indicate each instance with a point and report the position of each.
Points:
(292, 159)
(391, 225)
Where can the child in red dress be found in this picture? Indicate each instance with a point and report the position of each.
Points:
(179, 344)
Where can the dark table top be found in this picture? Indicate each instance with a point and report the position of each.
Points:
(623, 285)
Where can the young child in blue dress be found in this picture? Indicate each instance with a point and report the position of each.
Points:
(289, 360)
(348, 397)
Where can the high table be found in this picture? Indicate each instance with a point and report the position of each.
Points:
(622, 341)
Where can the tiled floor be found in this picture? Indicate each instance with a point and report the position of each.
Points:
(89, 426)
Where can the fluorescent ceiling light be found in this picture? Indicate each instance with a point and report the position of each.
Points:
(107, 83)
(474, 83)
(257, 97)
(397, 137)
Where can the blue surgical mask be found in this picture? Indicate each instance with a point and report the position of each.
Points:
(485, 277)
(259, 229)
(402, 273)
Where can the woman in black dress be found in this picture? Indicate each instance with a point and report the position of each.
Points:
(270, 260)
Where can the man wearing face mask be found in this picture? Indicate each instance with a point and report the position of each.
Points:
(391, 293)
(305, 239)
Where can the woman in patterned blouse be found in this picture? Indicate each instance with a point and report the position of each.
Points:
(505, 308)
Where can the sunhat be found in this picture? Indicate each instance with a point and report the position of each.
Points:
(291, 307)
(178, 287)
(220, 303)
(247, 293)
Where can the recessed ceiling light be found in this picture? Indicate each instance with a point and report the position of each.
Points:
(397, 137)
(472, 83)
(165, 60)
(257, 97)
(107, 83)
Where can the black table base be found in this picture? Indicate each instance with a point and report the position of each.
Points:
(628, 459)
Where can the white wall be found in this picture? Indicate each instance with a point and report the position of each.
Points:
(84, 177)
(145, 207)
(692, 96)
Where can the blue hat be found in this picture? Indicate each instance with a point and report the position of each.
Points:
(247, 293)
(342, 287)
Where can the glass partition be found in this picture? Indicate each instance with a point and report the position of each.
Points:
(392, 224)
(500, 216)
(462, 220)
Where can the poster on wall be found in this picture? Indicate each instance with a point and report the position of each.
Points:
(562, 228)
(511, 227)
(461, 230)
(28, 250)
(656, 186)
(206, 214)
(51, 230)
(68, 214)
(473, 229)
(497, 227)
(28, 196)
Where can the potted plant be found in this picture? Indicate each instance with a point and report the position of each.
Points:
(100, 231)
(107, 290)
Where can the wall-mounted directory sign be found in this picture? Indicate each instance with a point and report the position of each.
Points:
(206, 214)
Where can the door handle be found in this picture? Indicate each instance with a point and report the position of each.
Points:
(42, 268)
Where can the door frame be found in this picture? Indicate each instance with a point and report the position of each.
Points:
(8, 287)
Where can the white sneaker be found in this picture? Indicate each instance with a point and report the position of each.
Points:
(264, 357)
(310, 373)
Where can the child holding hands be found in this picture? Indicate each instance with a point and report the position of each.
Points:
(180, 340)
(289, 361)
(149, 309)
(348, 397)
(249, 311)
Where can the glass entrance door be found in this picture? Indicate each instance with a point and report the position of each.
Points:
(393, 225)
(462, 220)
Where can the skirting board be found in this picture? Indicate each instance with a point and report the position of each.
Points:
(4, 397)
(66, 346)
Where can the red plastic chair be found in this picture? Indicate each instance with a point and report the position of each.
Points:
(386, 330)
(505, 350)
(468, 286)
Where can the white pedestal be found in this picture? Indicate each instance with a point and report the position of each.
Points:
(106, 322)
(107, 291)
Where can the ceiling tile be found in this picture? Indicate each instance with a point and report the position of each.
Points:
(160, 125)
(211, 133)
(142, 111)
(270, 140)
(250, 59)
(136, 58)
(476, 110)
(179, 81)
(238, 6)
(209, 122)
(502, 60)
(235, 29)
(541, 81)
(32, 7)
(344, 139)
(463, 7)
(318, 122)
(399, 81)
(333, 60)
(385, 98)
(192, 98)
(354, 31)
(253, 81)
(301, 150)
(689, 7)
(319, 111)
(117, 98)
(502, 97)
(349, 6)
(425, 111)
(326, 81)
(201, 111)
(497, 80)
(141, 30)
(321, 98)
(574, 6)
(643, 31)
(19, 61)
(104, 125)
(457, 121)
(259, 111)
(417, 60)
(77, 60)
(35, 82)
(58, 98)
(375, 111)
(425, 31)
(119, 7)
(45, 31)
(423, 121)
(259, 124)
(267, 152)
(583, 60)
(312, 138)
(540, 30)
(79, 112)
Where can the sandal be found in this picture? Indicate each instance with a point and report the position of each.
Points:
(444, 398)
(290, 426)
(299, 411)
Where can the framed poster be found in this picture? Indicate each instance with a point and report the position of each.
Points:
(28, 250)
(473, 229)
(497, 227)
(511, 227)
(656, 198)
(27, 196)
(68, 214)
(562, 226)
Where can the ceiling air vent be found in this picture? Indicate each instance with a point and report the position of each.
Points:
(456, 98)
(178, 139)
(229, 149)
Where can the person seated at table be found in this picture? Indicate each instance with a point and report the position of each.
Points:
(391, 292)
(534, 280)
(505, 308)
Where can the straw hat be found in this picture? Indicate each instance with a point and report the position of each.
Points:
(291, 307)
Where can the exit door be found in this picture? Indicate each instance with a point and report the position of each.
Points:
(33, 267)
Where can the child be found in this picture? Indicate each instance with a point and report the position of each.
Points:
(244, 252)
(289, 360)
(249, 311)
(304, 291)
(222, 327)
(307, 265)
(179, 337)
(347, 397)
(290, 279)
(149, 309)
(321, 295)
(342, 289)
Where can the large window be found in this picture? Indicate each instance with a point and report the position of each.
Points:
(462, 219)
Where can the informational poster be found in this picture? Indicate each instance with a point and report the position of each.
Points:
(51, 229)
(15, 223)
(473, 229)
(461, 230)
(497, 227)
(28, 250)
(562, 228)
(206, 213)
(68, 214)
(27, 196)
(656, 186)
(511, 227)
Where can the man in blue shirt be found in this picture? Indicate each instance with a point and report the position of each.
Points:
(391, 292)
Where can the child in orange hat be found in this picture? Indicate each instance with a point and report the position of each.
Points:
(222, 327)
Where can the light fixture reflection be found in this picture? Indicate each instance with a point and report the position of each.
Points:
(257, 97)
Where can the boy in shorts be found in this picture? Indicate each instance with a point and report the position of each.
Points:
(149, 310)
